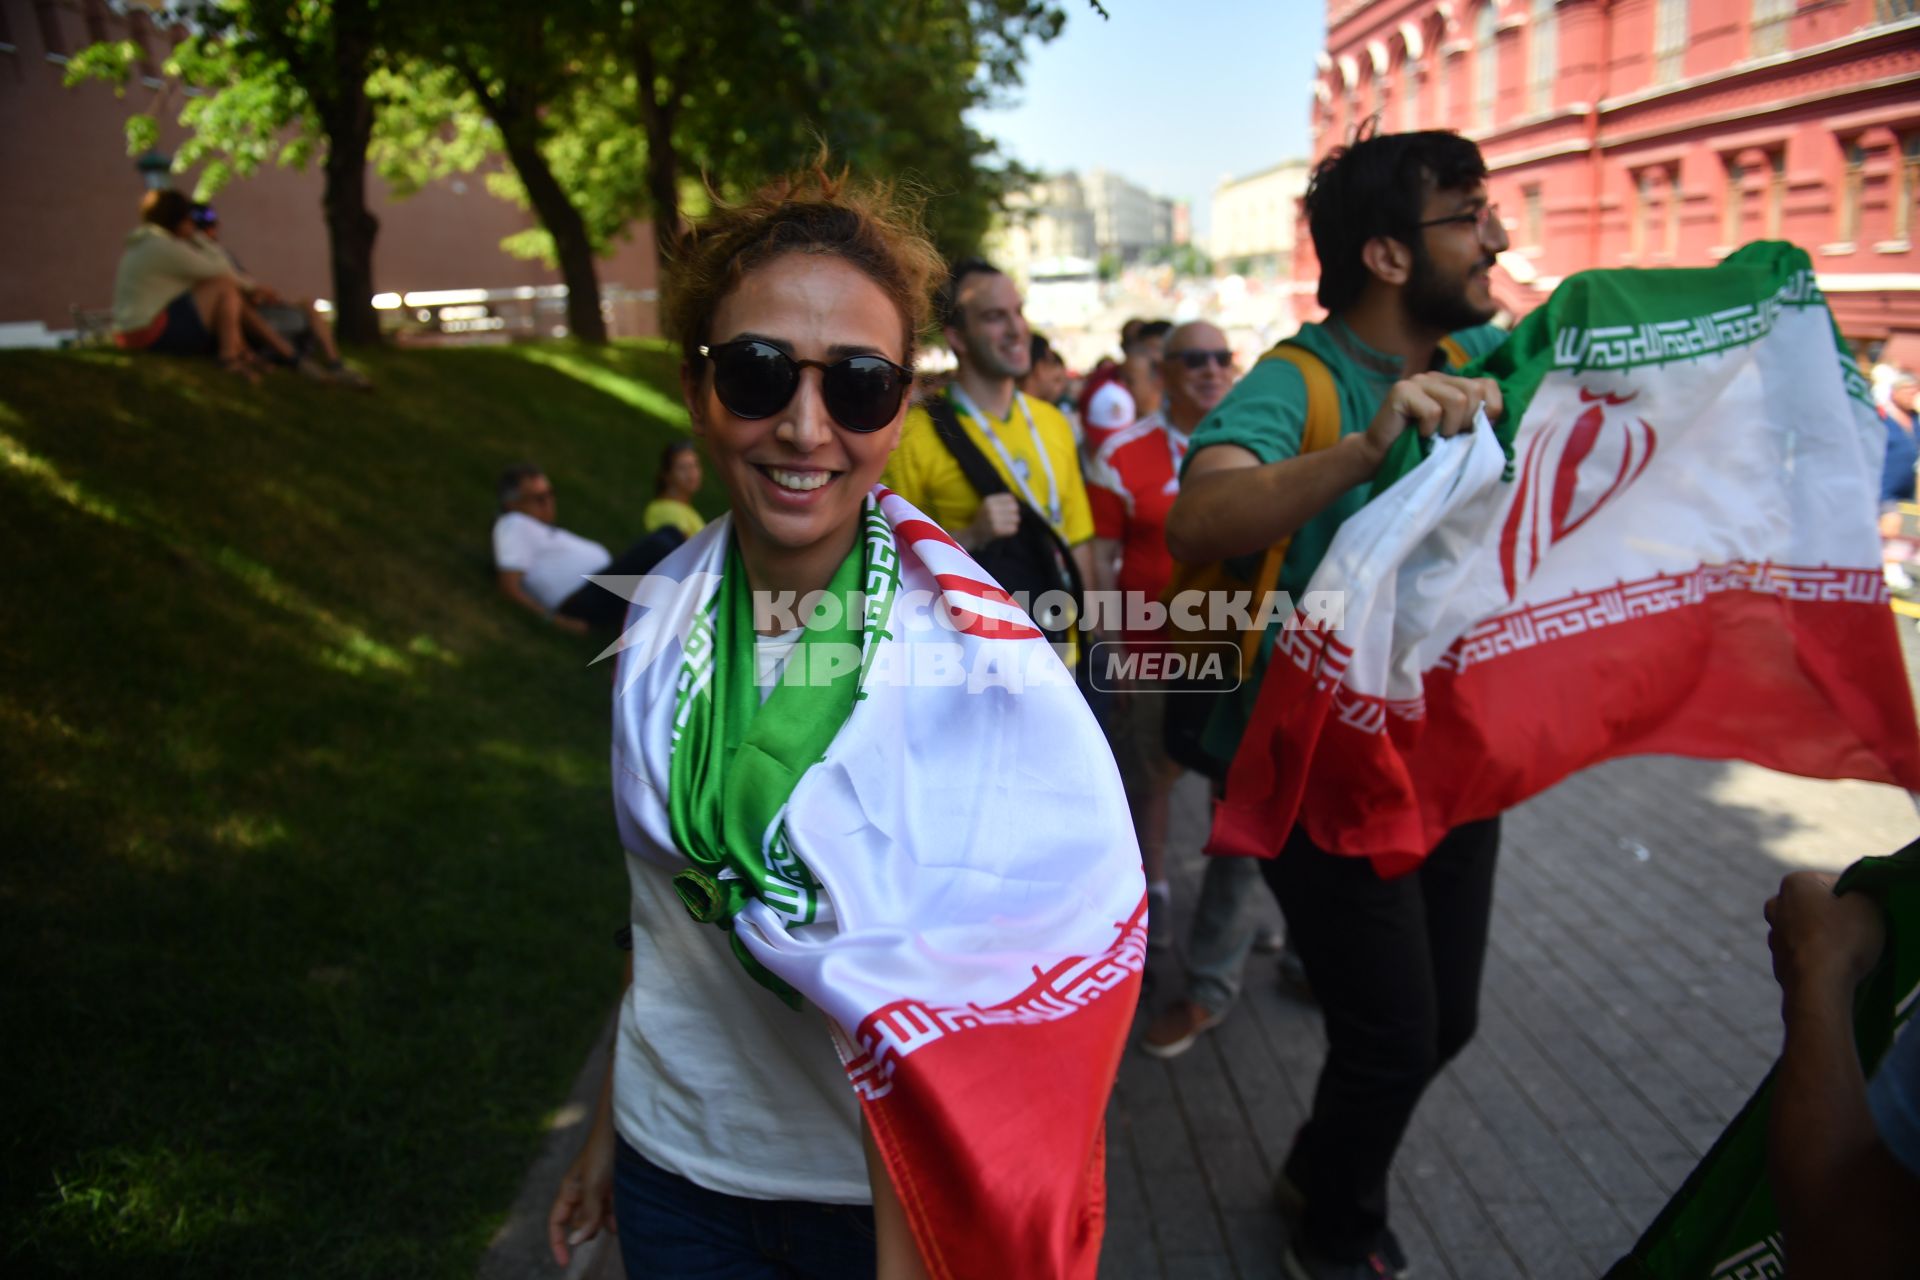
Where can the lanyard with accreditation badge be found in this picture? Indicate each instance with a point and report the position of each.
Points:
(1016, 468)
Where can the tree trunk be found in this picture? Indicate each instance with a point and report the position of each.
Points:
(346, 114)
(663, 166)
(564, 223)
(519, 124)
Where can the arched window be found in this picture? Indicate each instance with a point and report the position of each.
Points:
(1486, 77)
(1544, 46)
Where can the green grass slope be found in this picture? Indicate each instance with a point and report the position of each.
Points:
(307, 864)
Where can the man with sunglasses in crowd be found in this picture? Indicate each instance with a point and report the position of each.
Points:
(1406, 238)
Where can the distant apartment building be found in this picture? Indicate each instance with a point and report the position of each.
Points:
(1127, 219)
(1663, 132)
(75, 195)
(1076, 219)
(1254, 219)
(1048, 223)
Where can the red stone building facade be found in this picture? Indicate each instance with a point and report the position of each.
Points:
(72, 195)
(1663, 132)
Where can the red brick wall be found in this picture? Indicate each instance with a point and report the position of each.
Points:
(73, 195)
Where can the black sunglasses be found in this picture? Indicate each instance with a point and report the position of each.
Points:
(1198, 359)
(756, 379)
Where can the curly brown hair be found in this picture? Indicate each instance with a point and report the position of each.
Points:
(873, 226)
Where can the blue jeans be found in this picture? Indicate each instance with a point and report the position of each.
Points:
(1224, 925)
(671, 1229)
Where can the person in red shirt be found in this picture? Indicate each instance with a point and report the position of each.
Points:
(1135, 390)
(1131, 486)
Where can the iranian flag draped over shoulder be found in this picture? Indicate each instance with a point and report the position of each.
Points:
(1667, 546)
(922, 835)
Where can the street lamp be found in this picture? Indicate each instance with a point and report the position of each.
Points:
(156, 169)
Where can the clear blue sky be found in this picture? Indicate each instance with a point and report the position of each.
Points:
(1173, 94)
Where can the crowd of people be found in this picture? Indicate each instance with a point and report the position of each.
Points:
(726, 1136)
(178, 291)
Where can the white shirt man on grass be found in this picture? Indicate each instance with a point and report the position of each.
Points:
(544, 568)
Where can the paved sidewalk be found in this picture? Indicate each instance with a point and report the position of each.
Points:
(1628, 1012)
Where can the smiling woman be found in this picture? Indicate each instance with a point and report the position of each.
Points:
(893, 868)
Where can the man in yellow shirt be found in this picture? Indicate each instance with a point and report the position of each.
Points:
(1028, 441)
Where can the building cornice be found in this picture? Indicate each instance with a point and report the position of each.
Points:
(1871, 35)
(1608, 141)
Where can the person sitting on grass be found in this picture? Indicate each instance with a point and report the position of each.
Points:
(172, 297)
(678, 480)
(299, 323)
(544, 568)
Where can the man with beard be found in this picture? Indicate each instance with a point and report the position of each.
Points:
(1028, 441)
(1405, 237)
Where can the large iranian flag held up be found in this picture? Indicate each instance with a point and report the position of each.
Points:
(1668, 546)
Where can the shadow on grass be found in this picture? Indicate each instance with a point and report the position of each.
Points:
(309, 849)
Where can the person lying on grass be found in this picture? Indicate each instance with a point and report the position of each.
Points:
(544, 568)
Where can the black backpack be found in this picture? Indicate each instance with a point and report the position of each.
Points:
(1034, 559)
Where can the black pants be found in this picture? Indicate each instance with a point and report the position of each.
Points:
(1396, 967)
(600, 608)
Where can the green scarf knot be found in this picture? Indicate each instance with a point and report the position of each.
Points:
(737, 760)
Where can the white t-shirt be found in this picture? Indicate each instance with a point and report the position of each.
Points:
(770, 656)
(1111, 408)
(716, 1079)
(554, 561)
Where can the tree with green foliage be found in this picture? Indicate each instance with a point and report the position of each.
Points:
(269, 83)
(737, 92)
(612, 111)
(542, 77)
(608, 111)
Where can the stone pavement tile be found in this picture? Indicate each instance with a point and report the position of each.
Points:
(1489, 1264)
(1618, 1033)
(1199, 1266)
(1570, 1195)
(1705, 1070)
(1601, 933)
(1416, 1237)
(1445, 1199)
(1641, 1213)
(1536, 1238)
(1611, 1070)
(1482, 1160)
(1621, 1176)
(1128, 1252)
(1270, 1107)
(1257, 1239)
(1218, 1128)
(1660, 975)
(1178, 1199)
(1522, 1094)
